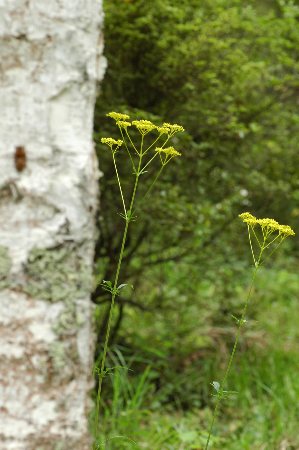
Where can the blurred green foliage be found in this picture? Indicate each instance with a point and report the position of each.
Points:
(228, 72)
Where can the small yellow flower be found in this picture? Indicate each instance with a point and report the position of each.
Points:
(162, 130)
(118, 116)
(110, 142)
(173, 128)
(286, 230)
(123, 124)
(144, 126)
(168, 151)
(246, 215)
(268, 224)
(248, 218)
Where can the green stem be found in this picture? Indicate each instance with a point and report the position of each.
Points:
(113, 297)
(149, 161)
(153, 183)
(166, 161)
(156, 140)
(271, 242)
(256, 237)
(274, 250)
(251, 245)
(132, 143)
(118, 180)
(127, 148)
(232, 355)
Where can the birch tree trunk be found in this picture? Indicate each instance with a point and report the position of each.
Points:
(50, 59)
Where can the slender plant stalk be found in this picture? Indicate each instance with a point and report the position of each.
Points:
(127, 148)
(268, 228)
(153, 183)
(161, 168)
(118, 180)
(144, 127)
(241, 323)
(113, 297)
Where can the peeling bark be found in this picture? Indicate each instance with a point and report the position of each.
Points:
(50, 60)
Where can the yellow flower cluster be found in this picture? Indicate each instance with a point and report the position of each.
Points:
(110, 142)
(287, 230)
(144, 126)
(162, 130)
(123, 124)
(173, 128)
(169, 151)
(248, 218)
(269, 225)
(118, 116)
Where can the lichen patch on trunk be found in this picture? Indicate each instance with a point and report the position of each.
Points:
(57, 274)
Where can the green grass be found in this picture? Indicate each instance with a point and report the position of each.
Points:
(263, 416)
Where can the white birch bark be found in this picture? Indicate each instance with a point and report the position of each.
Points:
(50, 59)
